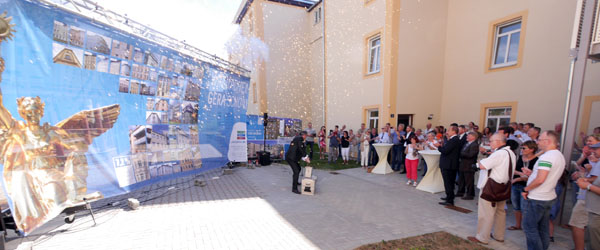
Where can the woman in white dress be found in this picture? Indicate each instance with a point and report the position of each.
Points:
(364, 149)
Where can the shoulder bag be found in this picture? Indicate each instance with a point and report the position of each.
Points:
(496, 192)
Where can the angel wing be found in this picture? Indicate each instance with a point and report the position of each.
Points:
(86, 125)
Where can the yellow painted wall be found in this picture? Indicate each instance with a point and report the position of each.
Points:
(441, 66)
(538, 86)
(421, 59)
(591, 88)
(315, 69)
(347, 25)
(245, 24)
(288, 87)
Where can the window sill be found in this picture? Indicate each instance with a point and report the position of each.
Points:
(372, 74)
(503, 67)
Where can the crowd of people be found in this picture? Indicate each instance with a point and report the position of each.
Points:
(518, 163)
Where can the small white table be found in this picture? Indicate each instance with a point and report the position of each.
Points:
(382, 166)
(433, 181)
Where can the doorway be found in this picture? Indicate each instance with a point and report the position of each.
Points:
(406, 119)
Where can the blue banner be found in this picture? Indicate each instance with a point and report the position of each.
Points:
(89, 111)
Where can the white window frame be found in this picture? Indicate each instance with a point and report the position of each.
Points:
(317, 18)
(497, 117)
(376, 59)
(370, 118)
(509, 34)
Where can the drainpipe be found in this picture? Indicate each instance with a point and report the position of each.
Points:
(579, 59)
(568, 101)
(323, 48)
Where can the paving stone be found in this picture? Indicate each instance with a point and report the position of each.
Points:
(254, 209)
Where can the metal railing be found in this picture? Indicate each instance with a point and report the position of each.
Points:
(97, 13)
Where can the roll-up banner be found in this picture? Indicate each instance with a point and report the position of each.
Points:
(280, 132)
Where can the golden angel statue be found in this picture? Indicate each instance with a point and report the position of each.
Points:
(45, 166)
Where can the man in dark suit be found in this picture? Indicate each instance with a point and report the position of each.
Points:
(462, 135)
(449, 158)
(466, 174)
(295, 153)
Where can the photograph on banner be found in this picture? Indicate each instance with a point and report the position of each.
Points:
(280, 132)
(116, 115)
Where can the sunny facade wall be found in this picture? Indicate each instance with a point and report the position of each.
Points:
(348, 90)
(538, 85)
(421, 54)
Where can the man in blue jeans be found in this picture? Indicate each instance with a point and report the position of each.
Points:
(396, 150)
(539, 194)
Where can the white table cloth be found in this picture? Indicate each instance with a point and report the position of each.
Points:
(433, 181)
(382, 166)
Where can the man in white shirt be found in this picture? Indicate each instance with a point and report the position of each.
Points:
(428, 128)
(525, 132)
(384, 136)
(409, 131)
(517, 132)
(419, 134)
(493, 214)
(539, 194)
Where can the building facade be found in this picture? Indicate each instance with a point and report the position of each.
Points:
(60, 32)
(161, 105)
(115, 66)
(76, 37)
(137, 139)
(121, 50)
(124, 85)
(140, 166)
(89, 61)
(415, 62)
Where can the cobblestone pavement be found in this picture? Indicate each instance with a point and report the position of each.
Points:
(254, 209)
(225, 214)
(352, 208)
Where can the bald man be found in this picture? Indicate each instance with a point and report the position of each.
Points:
(539, 194)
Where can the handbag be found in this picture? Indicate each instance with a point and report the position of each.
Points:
(494, 191)
(414, 151)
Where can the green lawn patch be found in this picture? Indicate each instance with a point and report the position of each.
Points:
(437, 240)
(323, 164)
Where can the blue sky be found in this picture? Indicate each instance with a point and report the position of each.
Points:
(205, 24)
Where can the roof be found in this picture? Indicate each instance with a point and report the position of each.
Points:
(314, 5)
(243, 9)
